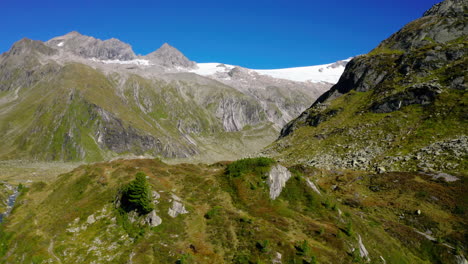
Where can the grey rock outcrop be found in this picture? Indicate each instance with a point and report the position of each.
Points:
(422, 94)
(277, 178)
(444, 22)
(169, 56)
(277, 258)
(450, 8)
(235, 113)
(177, 207)
(116, 136)
(362, 249)
(460, 259)
(89, 47)
(432, 158)
(312, 185)
(27, 46)
(152, 219)
(91, 219)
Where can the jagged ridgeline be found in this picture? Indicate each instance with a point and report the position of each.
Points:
(403, 106)
(77, 98)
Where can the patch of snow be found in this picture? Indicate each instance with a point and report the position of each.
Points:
(319, 73)
(330, 73)
(60, 44)
(139, 62)
(206, 69)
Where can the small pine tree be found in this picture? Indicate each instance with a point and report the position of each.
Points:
(136, 195)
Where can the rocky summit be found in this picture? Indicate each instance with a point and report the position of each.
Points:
(359, 161)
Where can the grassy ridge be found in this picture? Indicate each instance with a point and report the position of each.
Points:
(231, 219)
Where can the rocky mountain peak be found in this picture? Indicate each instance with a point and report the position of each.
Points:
(26, 46)
(73, 34)
(90, 47)
(444, 22)
(448, 8)
(169, 56)
(166, 46)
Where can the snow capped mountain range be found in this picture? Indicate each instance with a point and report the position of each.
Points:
(169, 59)
(329, 73)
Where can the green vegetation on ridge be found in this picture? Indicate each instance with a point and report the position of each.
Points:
(232, 219)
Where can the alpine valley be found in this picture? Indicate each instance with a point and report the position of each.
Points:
(111, 157)
(77, 98)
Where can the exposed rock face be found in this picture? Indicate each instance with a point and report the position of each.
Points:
(277, 179)
(89, 47)
(442, 23)
(308, 119)
(313, 186)
(20, 66)
(236, 114)
(362, 249)
(169, 56)
(177, 207)
(91, 220)
(277, 259)
(155, 195)
(26, 46)
(422, 94)
(8, 197)
(112, 134)
(451, 8)
(280, 100)
(461, 259)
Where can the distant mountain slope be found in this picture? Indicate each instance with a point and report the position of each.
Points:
(76, 97)
(400, 107)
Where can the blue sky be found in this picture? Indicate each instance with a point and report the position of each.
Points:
(252, 33)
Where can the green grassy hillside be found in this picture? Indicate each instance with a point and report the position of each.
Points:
(400, 217)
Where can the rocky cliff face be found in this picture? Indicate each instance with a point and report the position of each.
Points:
(89, 47)
(169, 56)
(384, 99)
